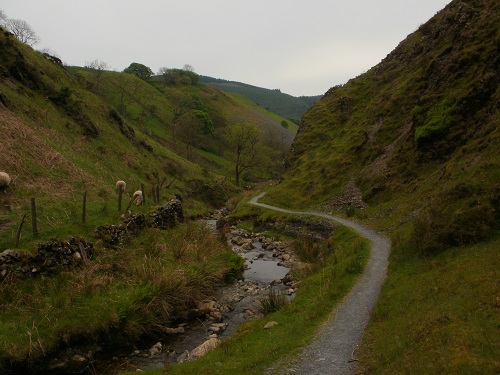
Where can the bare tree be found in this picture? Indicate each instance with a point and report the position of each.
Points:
(98, 67)
(22, 31)
(129, 92)
(3, 18)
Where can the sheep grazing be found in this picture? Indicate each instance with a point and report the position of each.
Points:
(120, 186)
(4, 180)
(137, 197)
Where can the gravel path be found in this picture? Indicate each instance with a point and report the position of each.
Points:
(332, 350)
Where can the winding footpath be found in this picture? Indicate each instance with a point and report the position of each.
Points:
(332, 350)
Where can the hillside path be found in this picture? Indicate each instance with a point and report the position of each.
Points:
(332, 350)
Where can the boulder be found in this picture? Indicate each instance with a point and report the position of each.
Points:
(201, 350)
(270, 325)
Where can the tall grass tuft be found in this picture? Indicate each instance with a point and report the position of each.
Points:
(274, 301)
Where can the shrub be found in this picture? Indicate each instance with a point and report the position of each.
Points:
(307, 250)
(437, 121)
(63, 97)
(434, 231)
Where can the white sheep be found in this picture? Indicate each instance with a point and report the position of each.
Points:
(137, 197)
(4, 180)
(120, 186)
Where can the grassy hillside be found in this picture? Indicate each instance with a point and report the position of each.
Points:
(65, 131)
(69, 130)
(411, 148)
(290, 107)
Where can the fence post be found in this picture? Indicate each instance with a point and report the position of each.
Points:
(18, 236)
(153, 193)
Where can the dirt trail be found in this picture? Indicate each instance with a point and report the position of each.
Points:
(332, 350)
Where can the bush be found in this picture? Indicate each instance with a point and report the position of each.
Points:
(214, 194)
(434, 231)
(307, 250)
(437, 121)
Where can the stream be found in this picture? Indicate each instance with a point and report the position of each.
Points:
(267, 264)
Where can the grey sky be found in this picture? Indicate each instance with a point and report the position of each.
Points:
(301, 47)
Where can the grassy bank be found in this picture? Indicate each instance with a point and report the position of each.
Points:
(438, 315)
(119, 296)
(251, 349)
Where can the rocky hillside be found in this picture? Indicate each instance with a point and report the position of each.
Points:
(416, 136)
(411, 148)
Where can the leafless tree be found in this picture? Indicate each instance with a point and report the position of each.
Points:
(3, 18)
(98, 67)
(22, 31)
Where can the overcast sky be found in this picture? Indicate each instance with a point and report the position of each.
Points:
(301, 47)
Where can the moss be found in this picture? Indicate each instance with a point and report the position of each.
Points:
(437, 123)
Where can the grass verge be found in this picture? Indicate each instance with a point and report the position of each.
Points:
(438, 315)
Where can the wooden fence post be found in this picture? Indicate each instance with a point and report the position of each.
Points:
(33, 217)
(18, 236)
(153, 193)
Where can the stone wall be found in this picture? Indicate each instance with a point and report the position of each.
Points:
(56, 255)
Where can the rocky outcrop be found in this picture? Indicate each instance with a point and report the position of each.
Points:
(352, 198)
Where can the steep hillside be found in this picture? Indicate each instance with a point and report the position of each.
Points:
(417, 131)
(411, 148)
(290, 107)
(59, 139)
(66, 130)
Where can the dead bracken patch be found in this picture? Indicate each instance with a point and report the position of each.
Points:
(24, 151)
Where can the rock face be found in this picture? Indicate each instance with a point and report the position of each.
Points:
(352, 198)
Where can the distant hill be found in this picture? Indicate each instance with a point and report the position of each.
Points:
(288, 106)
